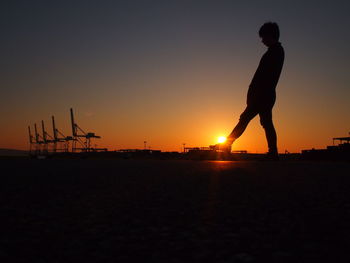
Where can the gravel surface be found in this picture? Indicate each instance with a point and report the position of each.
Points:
(174, 211)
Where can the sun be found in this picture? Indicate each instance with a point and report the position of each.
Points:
(221, 139)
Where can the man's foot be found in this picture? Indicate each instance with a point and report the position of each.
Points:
(224, 147)
(272, 156)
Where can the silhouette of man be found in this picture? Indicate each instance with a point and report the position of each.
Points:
(262, 90)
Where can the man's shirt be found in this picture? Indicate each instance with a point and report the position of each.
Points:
(263, 86)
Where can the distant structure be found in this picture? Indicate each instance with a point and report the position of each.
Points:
(47, 139)
(211, 152)
(46, 144)
(32, 142)
(61, 142)
(210, 148)
(82, 139)
(340, 151)
(38, 141)
(342, 140)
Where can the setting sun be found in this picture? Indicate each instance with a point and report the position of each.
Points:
(221, 139)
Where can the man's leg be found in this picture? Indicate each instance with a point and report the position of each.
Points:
(270, 132)
(248, 114)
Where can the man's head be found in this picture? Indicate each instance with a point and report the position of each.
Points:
(269, 33)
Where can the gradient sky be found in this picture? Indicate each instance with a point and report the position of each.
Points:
(172, 72)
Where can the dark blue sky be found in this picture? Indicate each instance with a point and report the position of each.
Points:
(115, 58)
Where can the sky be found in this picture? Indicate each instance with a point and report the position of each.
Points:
(172, 72)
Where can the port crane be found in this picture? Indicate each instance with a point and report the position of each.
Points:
(60, 139)
(82, 139)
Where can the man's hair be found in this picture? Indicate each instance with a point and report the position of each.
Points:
(270, 29)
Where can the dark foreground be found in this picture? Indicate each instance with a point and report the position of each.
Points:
(174, 211)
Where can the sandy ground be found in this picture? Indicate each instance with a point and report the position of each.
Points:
(174, 211)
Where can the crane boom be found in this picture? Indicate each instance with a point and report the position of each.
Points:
(54, 128)
(74, 132)
(44, 132)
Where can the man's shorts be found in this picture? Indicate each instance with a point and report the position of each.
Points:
(264, 111)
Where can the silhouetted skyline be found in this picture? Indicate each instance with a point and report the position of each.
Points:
(172, 72)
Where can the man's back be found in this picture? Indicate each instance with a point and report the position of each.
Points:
(265, 79)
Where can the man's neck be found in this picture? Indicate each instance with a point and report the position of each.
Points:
(274, 44)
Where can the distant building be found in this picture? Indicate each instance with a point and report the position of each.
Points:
(340, 152)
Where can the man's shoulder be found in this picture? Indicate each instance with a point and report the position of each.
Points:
(278, 48)
(276, 51)
(275, 46)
